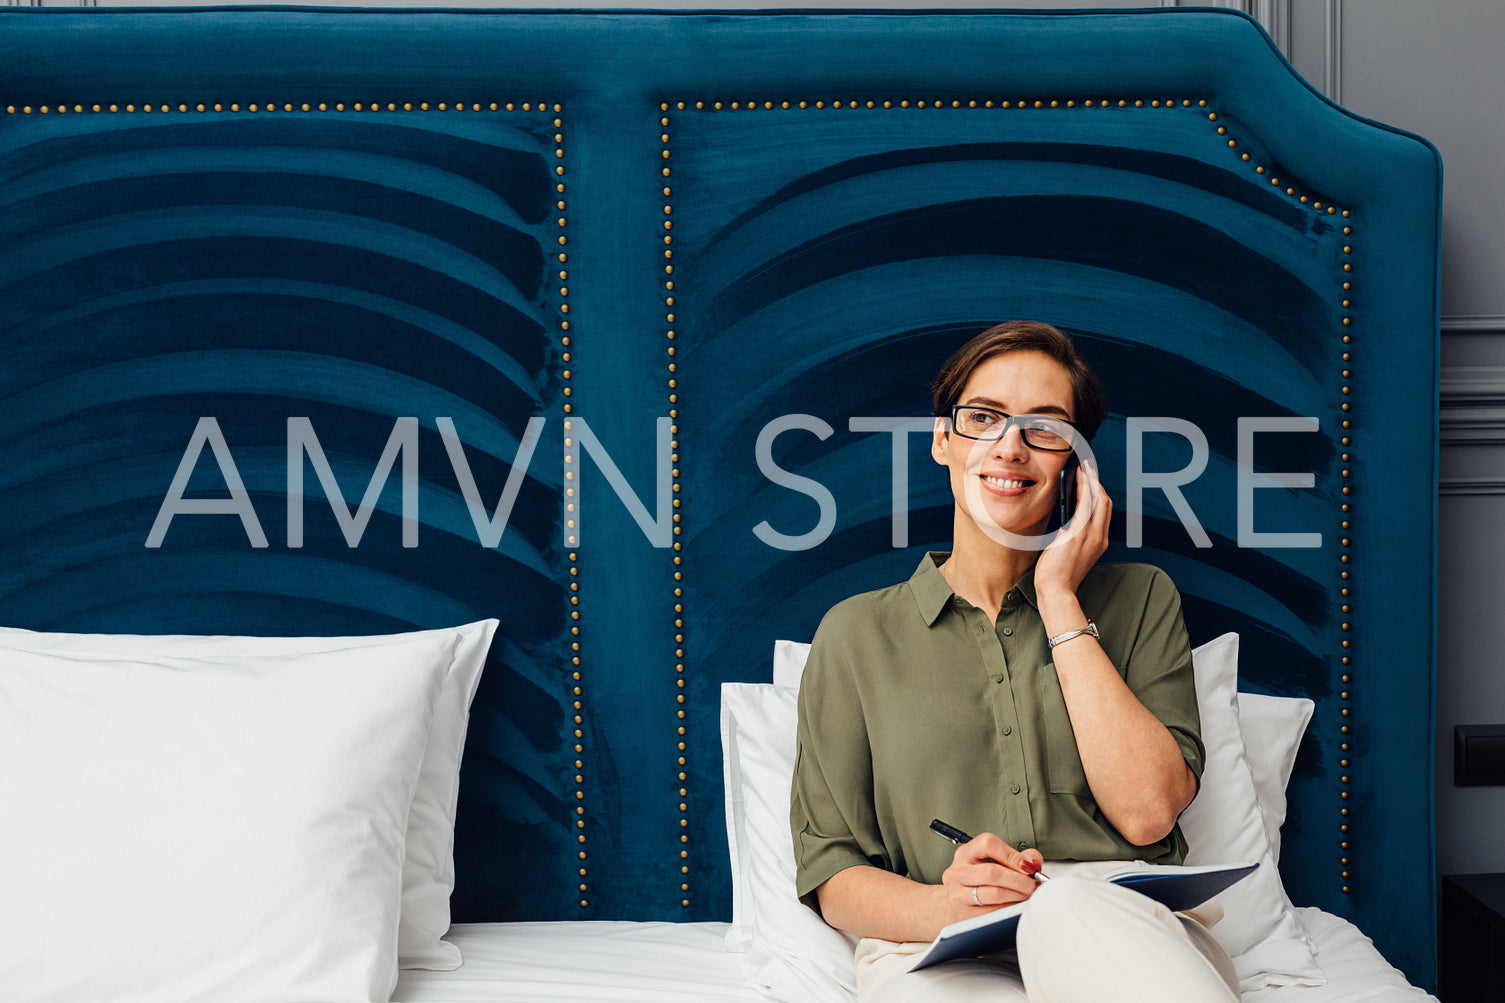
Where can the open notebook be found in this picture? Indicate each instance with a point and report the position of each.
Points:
(1175, 888)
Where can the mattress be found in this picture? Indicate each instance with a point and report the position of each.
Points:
(620, 962)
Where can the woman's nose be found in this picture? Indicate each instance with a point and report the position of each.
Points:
(1010, 445)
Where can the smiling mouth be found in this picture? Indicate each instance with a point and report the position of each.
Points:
(1006, 482)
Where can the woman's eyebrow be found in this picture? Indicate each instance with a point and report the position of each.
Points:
(1000, 406)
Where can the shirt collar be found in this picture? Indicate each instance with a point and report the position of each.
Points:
(1026, 585)
(932, 594)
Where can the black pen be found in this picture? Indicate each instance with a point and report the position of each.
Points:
(950, 832)
(958, 837)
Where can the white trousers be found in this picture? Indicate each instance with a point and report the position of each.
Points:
(1082, 940)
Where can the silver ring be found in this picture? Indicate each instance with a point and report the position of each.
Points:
(974, 896)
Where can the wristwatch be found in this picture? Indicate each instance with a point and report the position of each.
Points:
(1091, 628)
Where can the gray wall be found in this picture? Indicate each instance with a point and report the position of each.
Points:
(1425, 67)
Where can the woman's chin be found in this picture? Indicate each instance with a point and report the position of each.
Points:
(1013, 527)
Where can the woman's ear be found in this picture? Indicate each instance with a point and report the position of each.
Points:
(939, 436)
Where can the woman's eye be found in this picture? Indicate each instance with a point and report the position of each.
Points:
(983, 418)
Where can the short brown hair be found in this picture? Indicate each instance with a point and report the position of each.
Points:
(1088, 406)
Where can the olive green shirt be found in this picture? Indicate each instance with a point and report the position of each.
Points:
(914, 706)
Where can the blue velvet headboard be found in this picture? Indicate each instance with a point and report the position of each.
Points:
(624, 247)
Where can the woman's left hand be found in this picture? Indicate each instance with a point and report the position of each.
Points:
(1081, 542)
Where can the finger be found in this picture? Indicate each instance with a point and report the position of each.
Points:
(1088, 493)
(1101, 511)
(1102, 502)
(1008, 873)
(987, 848)
(988, 860)
(999, 863)
(1089, 489)
(991, 896)
(991, 872)
(1095, 485)
(1009, 884)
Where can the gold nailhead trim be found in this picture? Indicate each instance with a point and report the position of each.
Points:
(571, 539)
(1344, 543)
(672, 385)
(953, 103)
(183, 108)
(570, 455)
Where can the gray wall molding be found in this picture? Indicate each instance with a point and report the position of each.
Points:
(1275, 16)
(1332, 76)
(1473, 324)
(1472, 398)
(1471, 415)
(1471, 486)
(1472, 406)
(1473, 386)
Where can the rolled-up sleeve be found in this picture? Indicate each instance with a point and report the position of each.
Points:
(1159, 670)
(831, 801)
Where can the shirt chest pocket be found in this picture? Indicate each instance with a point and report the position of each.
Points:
(1063, 764)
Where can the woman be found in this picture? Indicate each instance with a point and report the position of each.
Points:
(1034, 696)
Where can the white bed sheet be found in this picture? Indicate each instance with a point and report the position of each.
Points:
(1356, 973)
(571, 962)
(580, 961)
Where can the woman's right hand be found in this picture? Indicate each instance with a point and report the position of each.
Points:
(990, 868)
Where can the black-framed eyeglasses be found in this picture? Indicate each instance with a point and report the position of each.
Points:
(1040, 431)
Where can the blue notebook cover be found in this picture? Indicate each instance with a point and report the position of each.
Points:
(1176, 888)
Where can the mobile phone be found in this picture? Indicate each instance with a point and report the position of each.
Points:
(1065, 496)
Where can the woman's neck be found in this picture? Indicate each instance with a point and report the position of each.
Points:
(982, 575)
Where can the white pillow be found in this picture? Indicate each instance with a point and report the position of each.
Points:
(211, 829)
(1272, 728)
(788, 666)
(789, 659)
(791, 953)
(1231, 820)
(1260, 930)
(429, 866)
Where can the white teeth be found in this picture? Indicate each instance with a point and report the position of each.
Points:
(1004, 483)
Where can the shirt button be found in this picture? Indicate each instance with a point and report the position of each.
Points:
(1013, 595)
(1008, 631)
(1007, 731)
(1022, 844)
(998, 679)
(1015, 788)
